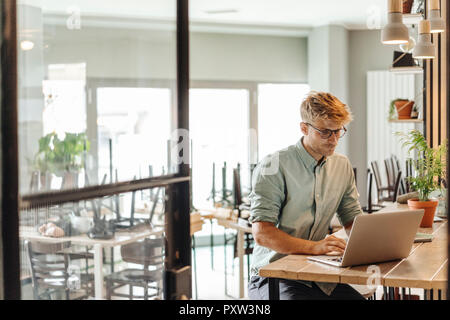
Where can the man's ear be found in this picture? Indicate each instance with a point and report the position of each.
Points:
(304, 128)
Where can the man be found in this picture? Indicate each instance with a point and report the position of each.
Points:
(295, 194)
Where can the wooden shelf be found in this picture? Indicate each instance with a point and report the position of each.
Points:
(406, 70)
(406, 121)
(412, 18)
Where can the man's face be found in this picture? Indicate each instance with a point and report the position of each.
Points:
(315, 139)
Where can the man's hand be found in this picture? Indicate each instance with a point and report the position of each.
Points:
(329, 244)
(269, 236)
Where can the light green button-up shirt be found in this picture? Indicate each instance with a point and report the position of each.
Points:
(301, 197)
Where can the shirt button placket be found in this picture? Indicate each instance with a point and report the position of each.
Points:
(317, 192)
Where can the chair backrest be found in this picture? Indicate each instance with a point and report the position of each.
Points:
(45, 262)
(397, 185)
(369, 191)
(146, 252)
(237, 188)
(394, 167)
(408, 166)
(389, 173)
(376, 174)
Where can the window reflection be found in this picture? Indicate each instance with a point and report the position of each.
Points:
(68, 53)
(128, 228)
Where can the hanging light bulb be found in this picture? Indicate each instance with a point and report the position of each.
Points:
(434, 15)
(395, 32)
(424, 48)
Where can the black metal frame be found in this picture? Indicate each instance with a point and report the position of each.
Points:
(178, 249)
(177, 281)
(9, 175)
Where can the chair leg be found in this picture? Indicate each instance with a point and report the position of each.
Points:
(108, 289)
(35, 293)
(195, 266)
(212, 245)
(146, 290)
(225, 259)
(248, 267)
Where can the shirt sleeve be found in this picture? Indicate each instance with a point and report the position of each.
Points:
(268, 191)
(349, 207)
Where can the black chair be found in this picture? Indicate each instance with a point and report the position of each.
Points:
(381, 189)
(396, 186)
(402, 189)
(371, 207)
(150, 254)
(391, 176)
(355, 175)
(51, 273)
(240, 206)
(409, 173)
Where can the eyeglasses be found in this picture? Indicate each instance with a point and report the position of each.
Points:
(326, 133)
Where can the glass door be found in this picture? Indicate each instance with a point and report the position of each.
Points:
(98, 171)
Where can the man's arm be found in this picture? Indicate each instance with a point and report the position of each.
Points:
(267, 235)
(349, 207)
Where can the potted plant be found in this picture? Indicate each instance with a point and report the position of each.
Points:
(407, 6)
(62, 158)
(429, 173)
(45, 159)
(72, 148)
(392, 113)
(403, 107)
(415, 112)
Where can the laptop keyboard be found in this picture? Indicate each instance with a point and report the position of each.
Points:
(338, 259)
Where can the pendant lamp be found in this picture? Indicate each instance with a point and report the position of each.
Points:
(424, 48)
(395, 32)
(434, 16)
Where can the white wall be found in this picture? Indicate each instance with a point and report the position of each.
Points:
(150, 54)
(318, 59)
(248, 57)
(366, 52)
(328, 66)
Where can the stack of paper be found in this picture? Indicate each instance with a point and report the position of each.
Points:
(423, 237)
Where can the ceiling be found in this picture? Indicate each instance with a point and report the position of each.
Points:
(289, 16)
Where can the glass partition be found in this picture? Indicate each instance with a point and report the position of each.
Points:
(104, 248)
(96, 92)
(97, 106)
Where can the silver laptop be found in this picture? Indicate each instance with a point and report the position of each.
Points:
(377, 237)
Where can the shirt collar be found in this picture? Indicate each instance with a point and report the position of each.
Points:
(307, 159)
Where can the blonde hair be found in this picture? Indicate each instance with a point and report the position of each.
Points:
(323, 105)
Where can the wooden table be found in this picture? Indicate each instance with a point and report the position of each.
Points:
(121, 238)
(425, 267)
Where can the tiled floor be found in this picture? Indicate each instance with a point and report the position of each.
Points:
(211, 281)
